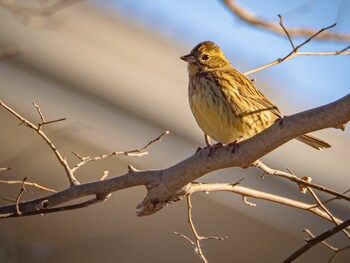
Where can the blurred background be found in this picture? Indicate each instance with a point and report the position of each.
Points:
(112, 68)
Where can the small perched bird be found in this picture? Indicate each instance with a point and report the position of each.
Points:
(226, 104)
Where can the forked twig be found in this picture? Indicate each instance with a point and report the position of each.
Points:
(61, 159)
(196, 244)
(293, 178)
(137, 153)
(335, 250)
(314, 241)
(319, 203)
(295, 49)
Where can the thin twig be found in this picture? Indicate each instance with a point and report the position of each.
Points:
(196, 244)
(186, 238)
(159, 138)
(245, 200)
(314, 241)
(61, 159)
(104, 176)
(335, 198)
(319, 203)
(252, 19)
(19, 196)
(194, 231)
(39, 112)
(286, 31)
(135, 153)
(323, 242)
(253, 193)
(5, 168)
(335, 250)
(293, 178)
(29, 183)
(295, 50)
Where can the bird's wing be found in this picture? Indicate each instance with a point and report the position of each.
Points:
(241, 85)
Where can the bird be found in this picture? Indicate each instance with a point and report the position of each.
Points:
(226, 105)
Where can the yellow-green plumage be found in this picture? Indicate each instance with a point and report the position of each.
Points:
(226, 105)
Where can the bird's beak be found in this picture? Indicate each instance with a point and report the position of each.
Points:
(188, 58)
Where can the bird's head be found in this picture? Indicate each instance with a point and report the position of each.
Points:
(206, 56)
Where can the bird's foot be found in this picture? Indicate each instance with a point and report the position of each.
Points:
(214, 147)
(235, 144)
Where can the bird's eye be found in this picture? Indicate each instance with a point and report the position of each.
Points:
(205, 56)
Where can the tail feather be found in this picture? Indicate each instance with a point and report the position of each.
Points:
(313, 141)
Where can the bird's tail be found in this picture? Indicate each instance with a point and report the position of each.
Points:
(313, 141)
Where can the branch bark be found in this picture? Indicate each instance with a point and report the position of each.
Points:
(164, 186)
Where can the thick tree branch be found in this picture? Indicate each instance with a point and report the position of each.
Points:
(166, 185)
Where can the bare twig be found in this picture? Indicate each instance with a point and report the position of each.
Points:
(194, 231)
(158, 139)
(9, 199)
(105, 175)
(314, 241)
(252, 19)
(295, 50)
(245, 200)
(253, 193)
(136, 153)
(267, 170)
(323, 242)
(61, 159)
(39, 112)
(286, 31)
(318, 201)
(335, 198)
(19, 196)
(29, 183)
(196, 245)
(187, 238)
(5, 169)
(335, 250)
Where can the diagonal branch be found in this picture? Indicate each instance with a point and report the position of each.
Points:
(295, 49)
(253, 193)
(267, 170)
(314, 241)
(250, 18)
(40, 187)
(137, 152)
(61, 159)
